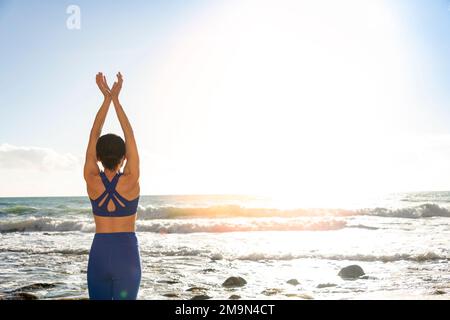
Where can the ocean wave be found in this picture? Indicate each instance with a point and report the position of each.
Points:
(18, 209)
(426, 210)
(33, 224)
(152, 212)
(44, 251)
(255, 256)
(178, 226)
(418, 257)
(33, 210)
(222, 225)
(228, 211)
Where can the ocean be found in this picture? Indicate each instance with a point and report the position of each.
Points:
(190, 245)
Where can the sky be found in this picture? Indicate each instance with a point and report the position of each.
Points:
(294, 98)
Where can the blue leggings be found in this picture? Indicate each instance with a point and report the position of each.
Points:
(114, 268)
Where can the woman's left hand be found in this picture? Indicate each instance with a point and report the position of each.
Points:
(103, 85)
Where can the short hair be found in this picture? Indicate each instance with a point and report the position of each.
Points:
(110, 150)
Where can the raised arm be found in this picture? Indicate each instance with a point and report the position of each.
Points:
(132, 166)
(90, 165)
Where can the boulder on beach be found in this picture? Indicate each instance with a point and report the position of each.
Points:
(168, 281)
(439, 291)
(294, 282)
(74, 298)
(194, 289)
(233, 282)
(234, 297)
(351, 272)
(201, 297)
(216, 256)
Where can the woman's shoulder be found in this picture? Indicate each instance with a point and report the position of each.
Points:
(128, 183)
(129, 178)
(94, 186)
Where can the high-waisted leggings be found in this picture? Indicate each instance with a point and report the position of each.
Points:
(114, 268)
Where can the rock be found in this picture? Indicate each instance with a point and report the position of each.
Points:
(351, 272)
(168, 281)
(271, 291)
(364, 278)
(234, 297)
(209, 270)
(196, 289)
(171, 295)
(326, 285)
(216, 256)
(74, 298)
(233, 282)
(201, 297)
(294, 282)
(439, 291)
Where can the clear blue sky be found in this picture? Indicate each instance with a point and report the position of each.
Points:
(45, 66)
(428, 24)
(48, 94)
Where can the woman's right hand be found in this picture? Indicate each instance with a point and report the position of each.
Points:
(117, 86)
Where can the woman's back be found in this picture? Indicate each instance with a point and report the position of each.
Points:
(114, 198)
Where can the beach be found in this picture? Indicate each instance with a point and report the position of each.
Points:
(191, 245)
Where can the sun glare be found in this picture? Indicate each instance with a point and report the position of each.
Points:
(302, 98)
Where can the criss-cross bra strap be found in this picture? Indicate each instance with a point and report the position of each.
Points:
(110, 189)
(110, 185)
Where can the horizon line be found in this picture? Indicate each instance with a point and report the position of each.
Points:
(203, 194)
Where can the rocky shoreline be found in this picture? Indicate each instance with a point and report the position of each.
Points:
(351, 272)
(348, 273)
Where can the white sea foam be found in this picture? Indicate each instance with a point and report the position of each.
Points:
(417, 257)
(426, 210)
(46, 251)
(48, 224)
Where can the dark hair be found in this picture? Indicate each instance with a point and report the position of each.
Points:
(110, 150)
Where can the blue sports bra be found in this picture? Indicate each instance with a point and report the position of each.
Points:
(127, 208)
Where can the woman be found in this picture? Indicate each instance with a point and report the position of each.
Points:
(114, 268)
